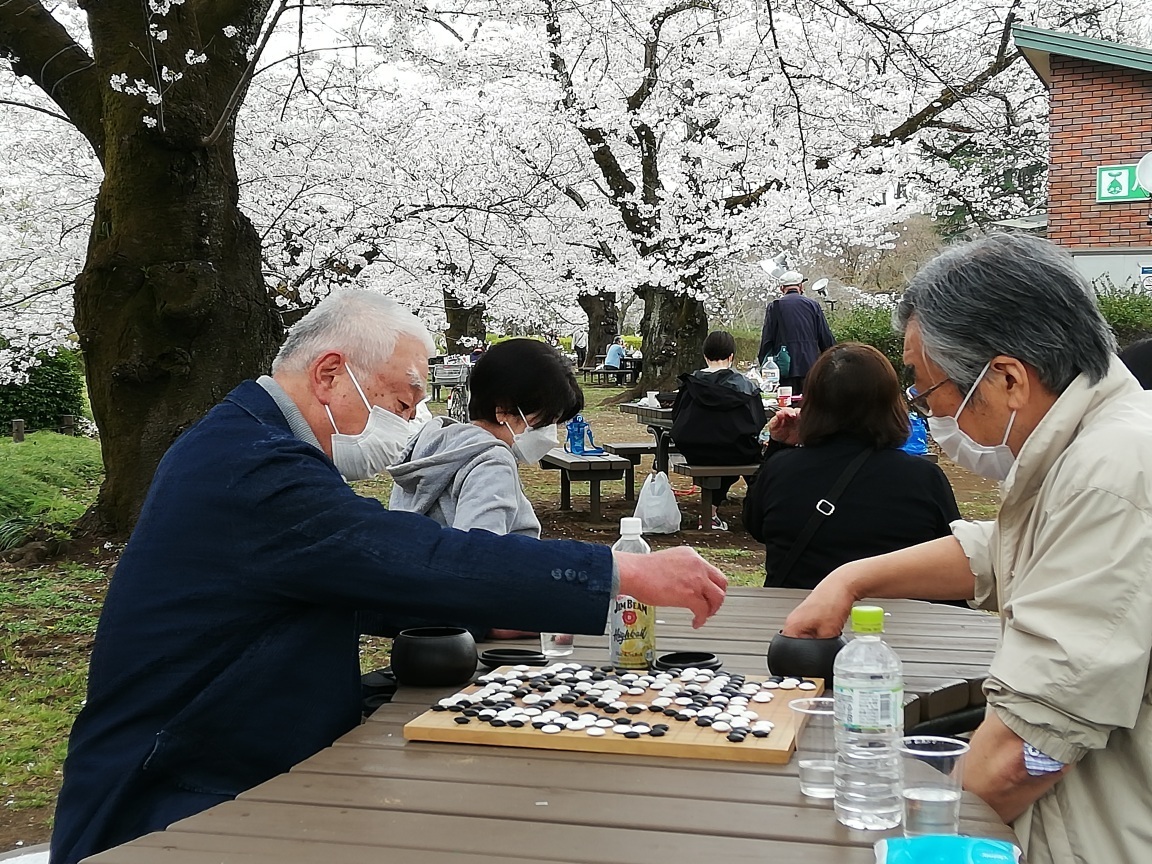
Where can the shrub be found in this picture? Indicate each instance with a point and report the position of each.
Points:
(54, 387)
(47, 480)
(871, 325)
(1128, 313)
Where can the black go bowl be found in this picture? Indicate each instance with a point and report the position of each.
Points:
(686, 660)
(804, 658)
(433, 657)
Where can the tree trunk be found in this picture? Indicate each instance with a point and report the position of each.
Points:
(603, 322)
(463, 321)
(171, 307)
(674, 326)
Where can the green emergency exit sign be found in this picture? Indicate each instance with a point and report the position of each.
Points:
(1118, 183)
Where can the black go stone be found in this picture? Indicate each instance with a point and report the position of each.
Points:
(703, 721)
(610, 709)
(634, 709)
(573, 714)
(472, 712)
(497, 722)
(631, 733)
(488, 703)
(602, 703)
(735, 737)
(462, 720)
(516, 724)
(519, 692)
(655, 733)
(568, 699)
(539, 724)
(456, 708)
(760, 733)
(670, 712)
(581, 703)
(655, 709)
(607, 668)
(439, 707)
(664, 727)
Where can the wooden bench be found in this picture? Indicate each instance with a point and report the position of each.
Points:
(707, 477)
(633, 451)
(584, 469)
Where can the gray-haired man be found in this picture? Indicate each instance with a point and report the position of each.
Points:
(1015, 367)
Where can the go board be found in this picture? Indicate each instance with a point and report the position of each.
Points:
(694, 713)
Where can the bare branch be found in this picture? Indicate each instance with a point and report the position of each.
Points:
(652, 45)
(41, 49)
(37, 108)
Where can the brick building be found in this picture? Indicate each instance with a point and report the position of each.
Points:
(1100, 114)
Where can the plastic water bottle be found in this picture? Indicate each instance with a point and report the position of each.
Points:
(869, 691)
(770, 372)
(631, 624)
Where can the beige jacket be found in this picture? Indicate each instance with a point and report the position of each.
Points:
(1068, 563)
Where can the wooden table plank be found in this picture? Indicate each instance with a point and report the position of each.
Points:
(507, 836)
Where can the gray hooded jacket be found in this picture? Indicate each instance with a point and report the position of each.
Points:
(463, 477)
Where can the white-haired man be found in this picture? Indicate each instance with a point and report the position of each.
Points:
(797, 323)
(227, 649)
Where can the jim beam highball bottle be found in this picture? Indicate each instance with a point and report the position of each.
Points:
(631, 624)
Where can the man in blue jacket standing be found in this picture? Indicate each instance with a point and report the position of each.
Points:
(227, 649)
(797, 323)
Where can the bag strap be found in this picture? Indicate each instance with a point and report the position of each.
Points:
(824, 507)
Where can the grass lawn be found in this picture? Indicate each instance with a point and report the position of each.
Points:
(48, 613)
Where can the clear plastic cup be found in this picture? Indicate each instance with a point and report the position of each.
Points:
(815, 745)
(933, 770)
(556, 644)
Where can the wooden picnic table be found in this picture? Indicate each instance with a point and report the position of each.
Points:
(375, 797)
(659, 423)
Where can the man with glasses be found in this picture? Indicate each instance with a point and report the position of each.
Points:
(1016, 371)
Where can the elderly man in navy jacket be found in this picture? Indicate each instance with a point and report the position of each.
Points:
(797, 323)
(227, 649)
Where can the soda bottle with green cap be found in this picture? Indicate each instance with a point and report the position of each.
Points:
(869, 693)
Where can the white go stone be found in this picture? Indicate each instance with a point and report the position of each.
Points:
(635, 691)
(661, 702)
(789, 684)
(605, 723)
(550, 729)
(765, 696)
(807, 685)
(594, 731)
(770, 685)
(721, 726)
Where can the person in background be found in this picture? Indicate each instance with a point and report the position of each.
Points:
(226, 651)
(1015, 368)
(614, 359)
(580, 345)
(1138, 358)
(718, 415)
(853, 406)
(797, 323)
(478, 352)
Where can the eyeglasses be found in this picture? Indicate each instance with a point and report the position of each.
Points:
(919, 401)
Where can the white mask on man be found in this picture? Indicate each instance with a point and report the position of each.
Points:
(381, 444)
(991, 461)
(531, 445)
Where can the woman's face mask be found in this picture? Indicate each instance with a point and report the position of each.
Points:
(991, 461)
(359, 457)
(531, 445)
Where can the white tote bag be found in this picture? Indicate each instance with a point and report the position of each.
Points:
(656, 507)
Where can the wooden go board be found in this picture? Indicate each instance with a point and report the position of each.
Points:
(511, 691)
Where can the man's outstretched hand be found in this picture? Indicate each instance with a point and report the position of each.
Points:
(673, 577)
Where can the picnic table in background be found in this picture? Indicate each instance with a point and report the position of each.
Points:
(376, 797)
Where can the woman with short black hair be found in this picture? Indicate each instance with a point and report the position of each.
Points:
(464, 475)
(854, 415)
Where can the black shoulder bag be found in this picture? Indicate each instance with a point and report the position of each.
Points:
(825, 507)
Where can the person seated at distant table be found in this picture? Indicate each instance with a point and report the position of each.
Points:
(718, 415)
(852, 406)
(615, 356)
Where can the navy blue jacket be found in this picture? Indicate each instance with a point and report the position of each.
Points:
(798, 322)
(227, 649)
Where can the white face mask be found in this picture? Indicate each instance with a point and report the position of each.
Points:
(991, 461)
(531, 445)
(381, 444)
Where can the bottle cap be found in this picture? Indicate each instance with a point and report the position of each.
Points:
(867, 619)
(631, 526)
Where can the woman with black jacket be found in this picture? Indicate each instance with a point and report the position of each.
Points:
(852, 406)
